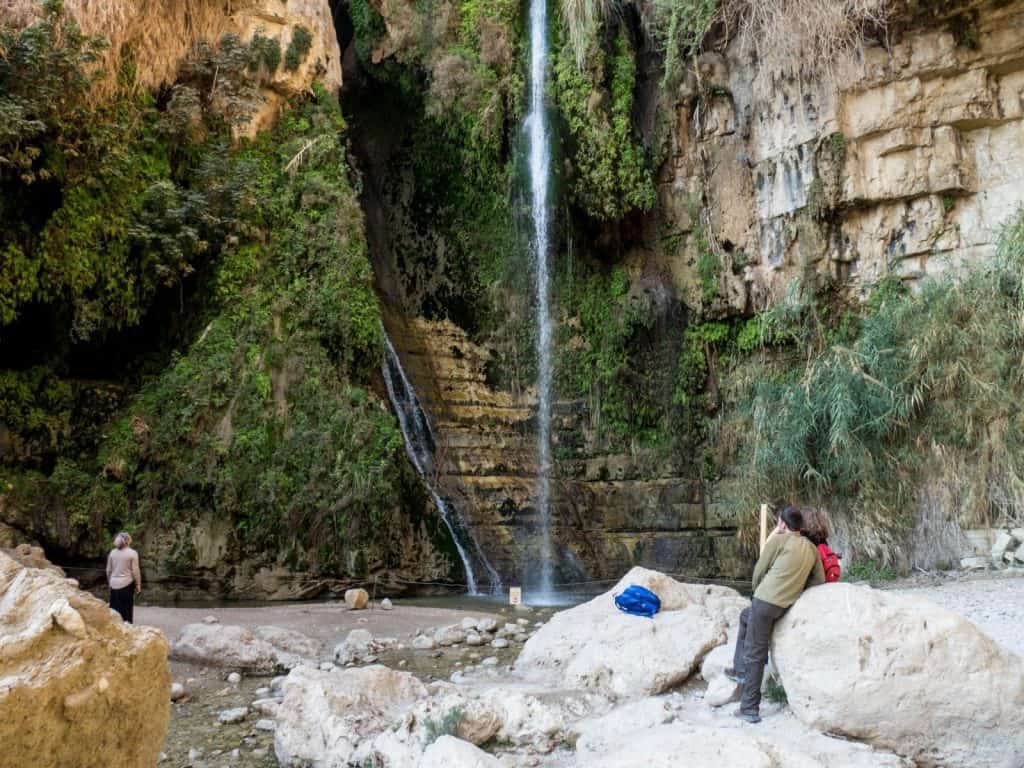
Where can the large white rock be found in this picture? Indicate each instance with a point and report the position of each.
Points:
(78, 687)
(694, 746)
(450, 752)
(226, 645)
(291, 645)
(595, 645)
(342, 717)
(356, 647)
(904, 674)
(599, 735)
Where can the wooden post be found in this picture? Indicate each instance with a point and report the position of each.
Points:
(764, 526)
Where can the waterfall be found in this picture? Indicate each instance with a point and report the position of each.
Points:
(420, 445)
(540, 180)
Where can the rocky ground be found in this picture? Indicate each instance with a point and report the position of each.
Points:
(198, 737)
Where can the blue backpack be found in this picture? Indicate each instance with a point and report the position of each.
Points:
(638, 601)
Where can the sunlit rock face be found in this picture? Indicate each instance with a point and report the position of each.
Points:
(79, 686)
(903, 674)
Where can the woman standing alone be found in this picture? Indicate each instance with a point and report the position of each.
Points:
(124, 576)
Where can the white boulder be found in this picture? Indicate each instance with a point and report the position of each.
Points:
(449, 752)
(423, 643)
(595, 645)
(386, 604)
(357, 647)
(1004, 545)
(599, 735)
(74, 678)
(291, 645)
(226, 645)
(904, 674)
(721, 691)
(447, 636)
(342, 717)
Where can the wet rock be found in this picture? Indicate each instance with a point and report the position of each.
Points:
(231, 716)
(356, 599)
(70, 669)
(904, 674)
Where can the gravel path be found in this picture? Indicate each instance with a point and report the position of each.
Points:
(993, 604)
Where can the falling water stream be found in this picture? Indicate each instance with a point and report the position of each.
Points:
(419, 445)
(540, 205)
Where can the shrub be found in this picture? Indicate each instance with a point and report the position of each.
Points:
(611, 171)
(920, 384)
(298, 48)
(803, 38)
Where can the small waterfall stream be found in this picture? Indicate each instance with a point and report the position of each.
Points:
(540, 206)
(420, 445)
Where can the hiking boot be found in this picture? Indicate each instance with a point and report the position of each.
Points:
(747, 717)
(733, 675)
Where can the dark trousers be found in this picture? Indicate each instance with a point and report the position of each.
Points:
(123, 601)
(752, 645)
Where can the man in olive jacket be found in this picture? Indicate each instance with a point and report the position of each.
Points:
(788, 565)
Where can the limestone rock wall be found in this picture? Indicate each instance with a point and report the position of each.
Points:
(609, 511)
(906, 163)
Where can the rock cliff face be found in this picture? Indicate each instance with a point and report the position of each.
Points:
(162, 33)
(610, 510)
(903, 163)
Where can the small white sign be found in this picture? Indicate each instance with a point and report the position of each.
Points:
(515, 595)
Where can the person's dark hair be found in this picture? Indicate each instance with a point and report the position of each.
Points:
(815, 525)
(792, 518)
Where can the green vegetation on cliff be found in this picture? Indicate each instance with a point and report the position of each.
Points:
(224, 291)
(611, 173)
(916, 392)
